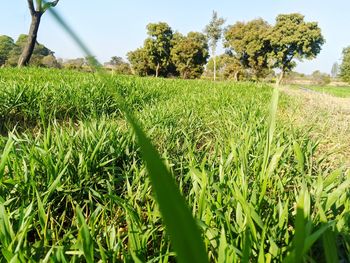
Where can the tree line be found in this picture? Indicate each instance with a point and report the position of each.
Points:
(10, 52)
(253, 49)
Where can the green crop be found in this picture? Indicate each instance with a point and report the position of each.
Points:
(74, 184)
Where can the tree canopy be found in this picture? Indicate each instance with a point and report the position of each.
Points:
(10, 52)
(247, 42)
(189, 54)
(140, 62)
(261, 47)
(165, 53)
(228, 67)
(6, 45)
(154, 57)
(293, 38)
(158, 46)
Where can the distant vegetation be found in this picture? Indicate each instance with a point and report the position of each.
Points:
(10, 53)
(345, 66)
(254, 49)
(170, 54)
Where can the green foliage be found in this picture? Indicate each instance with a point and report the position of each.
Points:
(50, 61)
(345, 65)
(42, 5)
(39, 50)
(189, 54)
(154, 56)
(42, 56)
(247, 41)
(167, 54)
(74, 185)
(293, 38)
(158, 47)
(261, 47)
(228, 67)
(6, 45)
(140, 62)
(319, 78)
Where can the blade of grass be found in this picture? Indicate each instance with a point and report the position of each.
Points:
(4, 156)
(87, 245)
(177, 216)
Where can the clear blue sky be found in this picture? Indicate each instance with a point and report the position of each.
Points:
(112, 27)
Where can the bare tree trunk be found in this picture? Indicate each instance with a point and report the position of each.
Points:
(157, 70)
(280, 78)
(29, 48)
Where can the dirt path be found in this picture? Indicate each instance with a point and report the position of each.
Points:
(329, 118)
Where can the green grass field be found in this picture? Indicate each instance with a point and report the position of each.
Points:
(343, 92)
(74, 186)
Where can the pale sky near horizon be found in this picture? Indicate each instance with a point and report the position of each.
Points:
(112, 27)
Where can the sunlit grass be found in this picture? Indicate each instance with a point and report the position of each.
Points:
(74, 184)
(343, 92)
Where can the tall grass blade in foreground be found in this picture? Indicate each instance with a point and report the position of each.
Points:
(177, 217)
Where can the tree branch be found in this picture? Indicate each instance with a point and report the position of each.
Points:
(31, 7)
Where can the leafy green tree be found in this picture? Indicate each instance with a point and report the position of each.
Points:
(140, 63)
(189, 54)
(293, 38)
(36, 9)
(158, 47)
(214, 32)
(227, 67)
(345, 65)
(247, 42)
(39, 52)
(6, 46)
